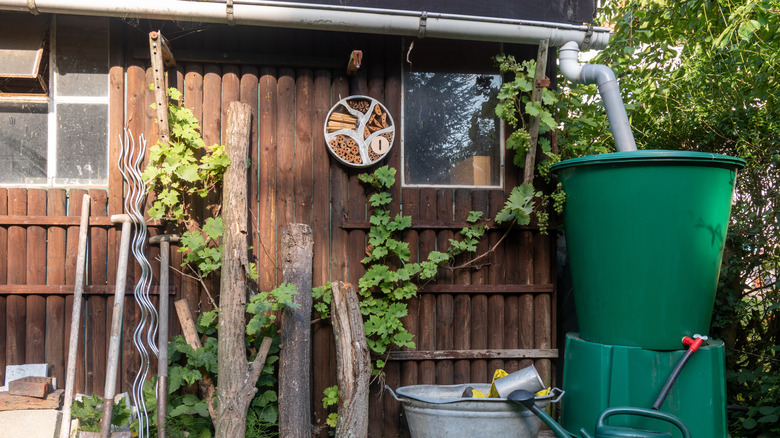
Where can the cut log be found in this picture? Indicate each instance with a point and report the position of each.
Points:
(353, 364)
(38, 387)
(294, 358)
(10, 402)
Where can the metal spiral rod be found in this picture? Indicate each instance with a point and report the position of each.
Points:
(135, 192)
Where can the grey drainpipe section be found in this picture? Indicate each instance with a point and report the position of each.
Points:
(604, 78)
(322, 17)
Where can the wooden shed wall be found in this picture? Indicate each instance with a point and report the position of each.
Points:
(466, 324)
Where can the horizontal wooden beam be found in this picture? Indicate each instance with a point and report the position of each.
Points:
(64, 289)
(439, 225)
(486, 288)
(63, 221)
(546, 353)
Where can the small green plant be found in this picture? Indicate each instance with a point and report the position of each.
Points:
(188, 413)
(184, 167)
(89, 413)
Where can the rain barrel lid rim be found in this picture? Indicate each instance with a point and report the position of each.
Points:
(651, 156)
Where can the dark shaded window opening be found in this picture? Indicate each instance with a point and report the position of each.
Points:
(24, 51)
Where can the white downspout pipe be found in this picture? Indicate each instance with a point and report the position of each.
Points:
(604, 78)
(323, 17)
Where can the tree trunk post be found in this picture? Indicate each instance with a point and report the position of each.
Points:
(237, 377)
(294, 358)
(353, 363)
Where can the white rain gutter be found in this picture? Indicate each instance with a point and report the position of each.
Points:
(323, 17)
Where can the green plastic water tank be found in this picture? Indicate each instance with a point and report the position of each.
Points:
(598, 376)
(645, 232)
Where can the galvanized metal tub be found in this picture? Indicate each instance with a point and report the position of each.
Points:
(436, 411)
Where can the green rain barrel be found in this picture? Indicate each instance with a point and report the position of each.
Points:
(645, 232)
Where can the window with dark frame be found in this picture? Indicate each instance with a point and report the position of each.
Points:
(451, 134)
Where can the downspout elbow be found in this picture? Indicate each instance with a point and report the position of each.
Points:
(604, 78)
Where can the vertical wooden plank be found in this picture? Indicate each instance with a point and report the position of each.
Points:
(193, 100)
(304, 147)
(96, 304)
(116, 124)
(321, 179)
(55, 274)
(285, 154)
(462, 302)
(478, 329)
(321, 331)
(248, 95)
(427, 312)
(17, 274)
(495, 316)
(267, 180)
(543, 309)
(339, 180)
(211, 128)
(75, 198)
(3, 280)
(444, 302)
(137, 114)
(409, 368)
(36, 274)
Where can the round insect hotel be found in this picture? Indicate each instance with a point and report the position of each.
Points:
(359, 131)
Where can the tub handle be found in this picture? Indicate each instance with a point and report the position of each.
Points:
(559, 396)
(393, 393)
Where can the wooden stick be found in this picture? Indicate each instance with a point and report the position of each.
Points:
(81, 265)
(341, 117)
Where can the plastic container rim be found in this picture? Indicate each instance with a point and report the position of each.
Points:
(652, 156)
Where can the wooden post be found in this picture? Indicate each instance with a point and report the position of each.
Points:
(353, 364)
(536, 96)
(237, 377)
(294, 380)
(160, 93)
(75, 318)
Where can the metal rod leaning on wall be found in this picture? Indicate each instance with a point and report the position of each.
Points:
(75, 323)
(116, 324)
(162, 336)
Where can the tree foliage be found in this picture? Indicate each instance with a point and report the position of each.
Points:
(702, 75)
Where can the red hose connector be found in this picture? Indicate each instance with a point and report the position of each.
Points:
(694, 343)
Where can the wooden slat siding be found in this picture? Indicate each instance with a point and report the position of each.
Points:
(212, 134)
(36, 274)
(193, 100)
(444, 302)
(267, 180)
(285, 155)
(382, 421)
(409, 374)
(75, 199)
(96, 337)
(339, 179)
(55, 275)
(248, 95)
(17, 274)
(3, 280)
(462, 303)
(136, 113)
(356, 200)
(321, 180)
(543, 308)
(427, 309)
(175, 275)
(478, 312)
(304, 147)
(526, 301)
(500, 265)
(321, 331)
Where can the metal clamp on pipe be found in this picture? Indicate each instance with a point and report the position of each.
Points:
(604, 78)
